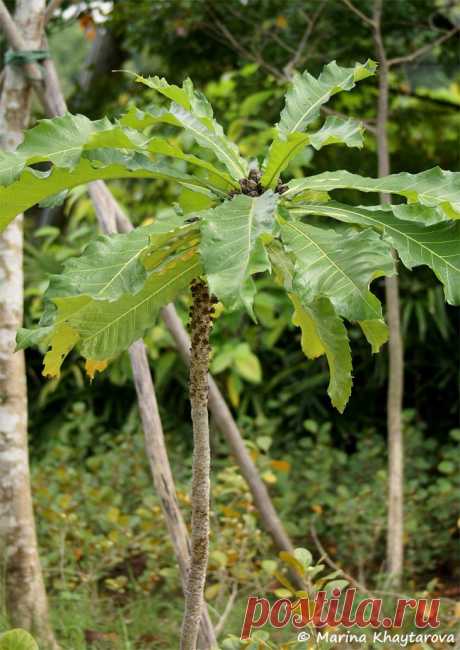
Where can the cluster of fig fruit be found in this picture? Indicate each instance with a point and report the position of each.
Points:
(251, 186)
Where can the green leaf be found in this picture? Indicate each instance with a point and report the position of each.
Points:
(247, 365)
(61, 140)
(421, 213)
(232, 248)
(436, 246)
(323, 332)
(33, 186)
(161, 85)
(331, 331)
(281, 152)
(434, 187)
(114, 265)
(17, 640)
(339, 265)
(307, 94)
(376, 332)
(304, 556)
(337, 130)
(26, 338)
(107, 328)
(206, 132)
(165, 148)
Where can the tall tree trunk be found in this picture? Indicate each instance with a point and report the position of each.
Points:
(194, 596)
(25, 594)
(395, 523)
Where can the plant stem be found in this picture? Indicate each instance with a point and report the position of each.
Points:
(199, 361)
(395, 527)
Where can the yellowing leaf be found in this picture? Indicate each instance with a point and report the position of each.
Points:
(293, 562)
(62, 341)
(310, 341)
(234, 388)
(281, 465)
(269, 478)
(281, 22)
(282, 593)
(94, 365)
(113, 515)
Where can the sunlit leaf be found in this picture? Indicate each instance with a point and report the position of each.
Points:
(307, 95)
(436, 246)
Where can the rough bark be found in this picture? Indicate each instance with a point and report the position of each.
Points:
(153, 433)
(395, 522)
(227, 425)
(201, 484)
(25, 594)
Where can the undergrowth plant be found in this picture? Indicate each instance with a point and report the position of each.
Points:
(239, 218)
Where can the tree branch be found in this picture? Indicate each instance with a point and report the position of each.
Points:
(52, 6)
(355, 10)
(360, 587)
(423, 50)
(304, 40)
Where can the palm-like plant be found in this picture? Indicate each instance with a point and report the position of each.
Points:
(251, 223)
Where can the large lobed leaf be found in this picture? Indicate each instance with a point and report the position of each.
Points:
(191, 111)
(323, 331)
(307, 95)
(114, 265)
(434, 187)
(232, 246)
(33, 186)
(339, 265)
(107, 328)
(335, 130)
(436, 246)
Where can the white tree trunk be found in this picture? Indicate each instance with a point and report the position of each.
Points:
(24, 589)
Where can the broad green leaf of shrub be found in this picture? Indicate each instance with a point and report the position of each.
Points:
(331, 331)
(434, 187)
(335, 130)
(107, 328)
(339, 265)
(436, 246)
(307, 95)
(33, 186)
(232, 247)
(118, 264)
(17, 640)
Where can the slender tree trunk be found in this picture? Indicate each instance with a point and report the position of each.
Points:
(395, 523)
(227, 425)
(25, 594)
(194, 596)
(155, 446)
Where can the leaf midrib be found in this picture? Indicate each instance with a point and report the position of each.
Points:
(338, 268)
